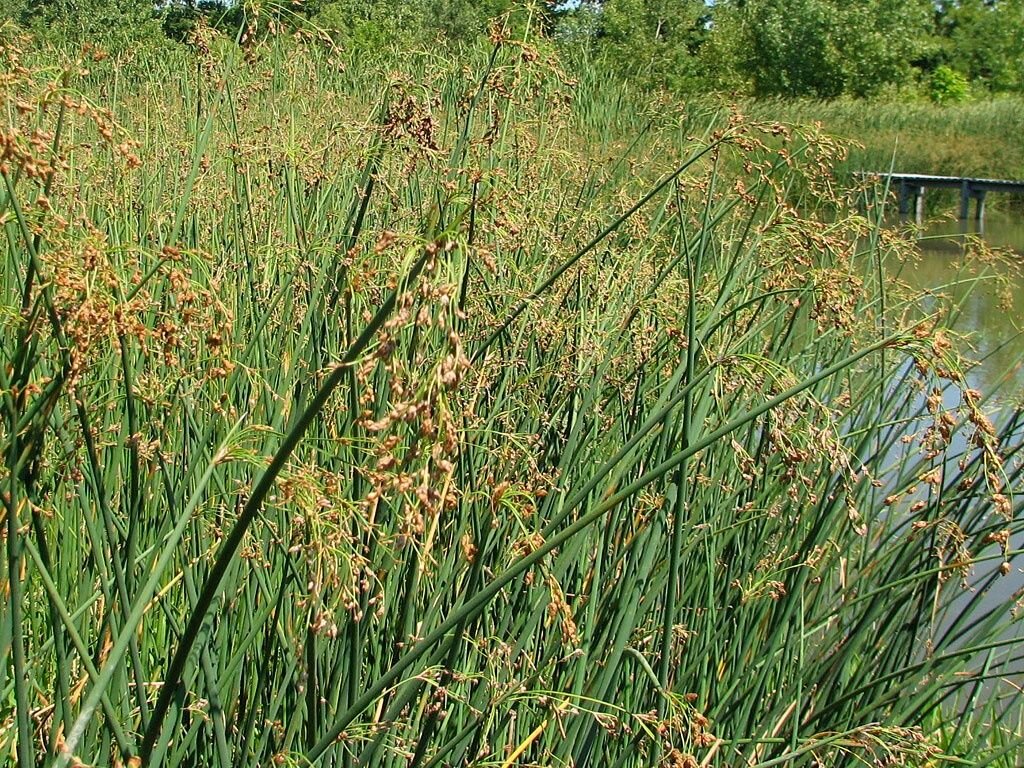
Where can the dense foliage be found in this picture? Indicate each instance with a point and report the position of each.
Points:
(465, 411)
(809, 48)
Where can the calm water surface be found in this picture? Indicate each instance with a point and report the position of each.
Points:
(991, 299)
(992, 317)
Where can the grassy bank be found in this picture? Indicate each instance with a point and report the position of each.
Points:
(468, 415)
(977, 138)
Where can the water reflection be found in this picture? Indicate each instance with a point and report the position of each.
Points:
(990, 297)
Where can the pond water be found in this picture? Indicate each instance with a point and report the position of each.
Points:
(991, 298)
(991, 316)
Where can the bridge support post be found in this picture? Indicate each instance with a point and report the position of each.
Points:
(904, 198)
(912, 187)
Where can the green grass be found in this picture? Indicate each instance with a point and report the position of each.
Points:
(463, 414)
(977, 138)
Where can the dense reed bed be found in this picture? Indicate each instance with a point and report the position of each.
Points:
(465, 414)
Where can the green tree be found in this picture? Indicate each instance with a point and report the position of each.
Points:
(369, 23)
(791, 47)
(879, 41)
(653, 41)
(984, 39)
(947, 86)
(112, 23)
(821, 48)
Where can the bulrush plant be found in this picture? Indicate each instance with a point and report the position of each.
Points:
(462, 429)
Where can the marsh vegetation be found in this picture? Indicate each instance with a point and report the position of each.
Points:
(466, 412)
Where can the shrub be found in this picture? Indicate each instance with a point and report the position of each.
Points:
(947, 86)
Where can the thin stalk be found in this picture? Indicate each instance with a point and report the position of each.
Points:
(482, 598)
(226, 553)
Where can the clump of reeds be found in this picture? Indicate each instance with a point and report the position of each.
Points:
(453, 429)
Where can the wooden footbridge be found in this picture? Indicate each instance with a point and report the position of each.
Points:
(911, 187)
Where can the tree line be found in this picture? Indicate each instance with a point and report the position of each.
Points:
(822, 49)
